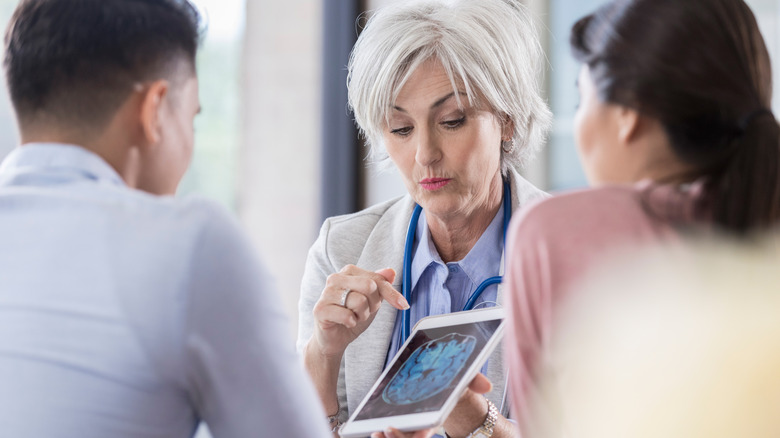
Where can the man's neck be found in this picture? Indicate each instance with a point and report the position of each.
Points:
(121, 158)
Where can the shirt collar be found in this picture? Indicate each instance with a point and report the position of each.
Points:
(425, 252)
(35, 158)
(481, 263)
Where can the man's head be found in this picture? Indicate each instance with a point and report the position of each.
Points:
(78, 66)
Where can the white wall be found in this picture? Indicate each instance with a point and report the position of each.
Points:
(277, 197)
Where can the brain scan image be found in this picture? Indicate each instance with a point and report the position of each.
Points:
(430, 369)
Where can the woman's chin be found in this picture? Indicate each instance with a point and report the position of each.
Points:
(440, 207)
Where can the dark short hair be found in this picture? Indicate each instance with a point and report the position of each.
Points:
(77, 61)
(702, 69)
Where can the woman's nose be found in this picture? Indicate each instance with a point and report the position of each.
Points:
(428, 148)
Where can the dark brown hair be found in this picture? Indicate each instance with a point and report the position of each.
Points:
(76, 61)
(702, 69)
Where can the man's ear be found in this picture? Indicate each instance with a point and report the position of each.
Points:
(152, 99)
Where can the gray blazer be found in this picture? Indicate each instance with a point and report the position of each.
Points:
(373, 239)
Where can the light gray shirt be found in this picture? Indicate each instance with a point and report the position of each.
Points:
(128, 315)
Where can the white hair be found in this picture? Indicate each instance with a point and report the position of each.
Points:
(489, 47)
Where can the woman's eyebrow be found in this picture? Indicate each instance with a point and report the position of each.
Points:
(436, 104)
(442, 100)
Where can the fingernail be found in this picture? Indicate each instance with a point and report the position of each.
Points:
(402, 302)
(390, 434)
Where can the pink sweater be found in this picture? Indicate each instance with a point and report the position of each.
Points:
(552, 243)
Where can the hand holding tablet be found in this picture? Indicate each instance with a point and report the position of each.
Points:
(479, 385)
(429, 374)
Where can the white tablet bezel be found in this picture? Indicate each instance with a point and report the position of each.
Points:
(424, 420)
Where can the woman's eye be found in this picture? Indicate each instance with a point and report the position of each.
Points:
(402, 131)
(453, 124)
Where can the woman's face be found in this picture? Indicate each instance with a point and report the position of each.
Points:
(449, 156)
(596, 133)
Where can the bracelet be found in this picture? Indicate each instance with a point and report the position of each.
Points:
(333, 420)
(486, 429)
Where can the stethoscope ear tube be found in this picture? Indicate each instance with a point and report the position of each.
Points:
(406, 285)
(406, 288)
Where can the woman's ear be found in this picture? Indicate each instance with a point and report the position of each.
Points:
(507, 128)
(152, 99)
(629, 122)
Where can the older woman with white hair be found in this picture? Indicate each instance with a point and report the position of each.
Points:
(448, 92)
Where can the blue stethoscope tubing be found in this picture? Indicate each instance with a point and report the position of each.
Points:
(406, 286)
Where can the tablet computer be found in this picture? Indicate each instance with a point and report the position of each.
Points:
(433, 368)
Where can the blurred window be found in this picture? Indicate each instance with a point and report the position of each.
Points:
(214, 168)
(563, 165)
(768, 15)
(564, 170)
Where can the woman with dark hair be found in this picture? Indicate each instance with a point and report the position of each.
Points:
(675, 132)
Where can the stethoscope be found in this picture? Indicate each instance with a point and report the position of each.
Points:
(407, 268)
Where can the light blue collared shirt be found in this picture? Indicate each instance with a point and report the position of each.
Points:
(438, 287)
(128, 315)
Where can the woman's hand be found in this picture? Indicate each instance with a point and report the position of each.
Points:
(480, 385)
(471, 411)
(336, 326)
(395, 433)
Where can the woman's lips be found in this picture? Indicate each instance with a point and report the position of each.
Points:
(432, 184)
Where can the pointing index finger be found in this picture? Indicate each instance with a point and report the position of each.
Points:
(392, 296)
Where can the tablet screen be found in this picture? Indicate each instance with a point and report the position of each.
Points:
(426, 372)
